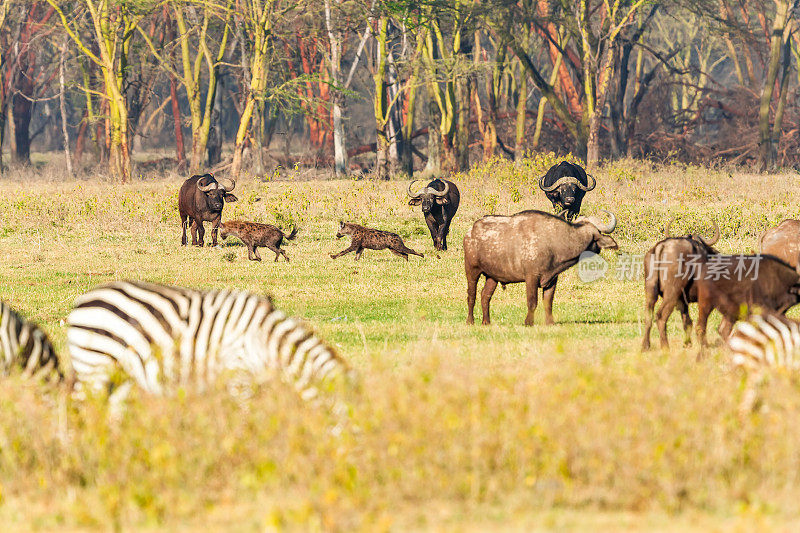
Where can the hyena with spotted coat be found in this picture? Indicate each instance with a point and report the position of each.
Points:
(371, 239)
(253, 235)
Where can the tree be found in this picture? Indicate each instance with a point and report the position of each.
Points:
(113, 25)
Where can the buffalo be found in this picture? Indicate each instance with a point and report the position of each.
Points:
(734, 285)
(565, 185)
(668, 267)
(201, 199)
(439, 201)
(782, 241)
(530, 246)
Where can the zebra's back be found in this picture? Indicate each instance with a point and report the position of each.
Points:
(765, 340)
(24, 344)
(163, 336)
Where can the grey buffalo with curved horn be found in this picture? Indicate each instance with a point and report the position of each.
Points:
(531, 246)
(670, 268)
(439, 200)
(565, 185)
(201, 199)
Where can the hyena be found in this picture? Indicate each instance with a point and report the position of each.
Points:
(253, 235)
(372, 239)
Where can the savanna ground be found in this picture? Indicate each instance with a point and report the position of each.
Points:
(454, 427)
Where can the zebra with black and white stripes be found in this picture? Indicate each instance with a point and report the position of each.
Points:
(24, 345)
(763, 341)
(162, 337)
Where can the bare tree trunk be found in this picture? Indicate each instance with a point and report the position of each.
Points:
(180, 147)
(434, 164)
(462, 129)
(339, 145)
(63, 106)
(214, 142)
(522, 104)
(767, 154)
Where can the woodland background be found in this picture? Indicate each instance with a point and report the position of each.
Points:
(394, 86)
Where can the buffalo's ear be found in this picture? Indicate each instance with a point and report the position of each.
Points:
(606, 242)
(441, 200)
(230, 197)
(415, 201)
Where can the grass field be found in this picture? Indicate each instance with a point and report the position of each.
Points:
(455, 427)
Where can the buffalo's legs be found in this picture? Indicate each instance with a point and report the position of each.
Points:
(532, 293)
(472, 288)
(649, 310)
(184, 225)
(683, 308)
(486, 296)
(668, 302)
(197, 233)
(548, 294)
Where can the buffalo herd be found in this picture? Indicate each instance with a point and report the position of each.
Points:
(534, 247)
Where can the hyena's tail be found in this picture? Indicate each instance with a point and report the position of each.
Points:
(293, 234)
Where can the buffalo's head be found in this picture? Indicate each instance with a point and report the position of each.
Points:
(429, 195)
(565, 185)
(602, 240)
(216, 192)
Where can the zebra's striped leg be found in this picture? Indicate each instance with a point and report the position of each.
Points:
(116, 401)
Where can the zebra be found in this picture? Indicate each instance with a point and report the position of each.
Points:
(23, 344)
(766, 340)
(161, 337)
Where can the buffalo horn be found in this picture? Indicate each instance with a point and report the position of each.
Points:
(666, 229)
(603, 228)
(559, 182)
(714, 239)
(588, 187)
(227, 184)
(205, 188)
(440, 193)
(418, 193)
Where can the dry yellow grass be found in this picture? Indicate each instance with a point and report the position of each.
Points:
(455, 427)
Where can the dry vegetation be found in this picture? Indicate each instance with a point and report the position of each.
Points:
(454, 427)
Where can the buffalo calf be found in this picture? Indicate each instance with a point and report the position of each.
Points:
(253, 235)
(371, 239)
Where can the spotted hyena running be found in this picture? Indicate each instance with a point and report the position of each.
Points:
(253, 235)
(371, 239)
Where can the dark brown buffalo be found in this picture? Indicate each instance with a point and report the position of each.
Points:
(253, 235)
(565, 184)
(201, 199)
(668, 268)
(782, 241)
(439, 200)
(371, 239)
(733, 285)
(530, 246)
